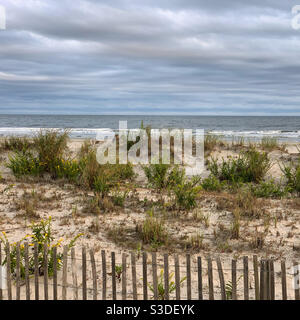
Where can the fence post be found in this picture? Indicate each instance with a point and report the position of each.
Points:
(133, 275)
(8, 272)
(94, 274)
(45, 267)
(166, 276)
(199, 263)
(65, 273)
(18, 288)
(145, 284)
(221, 276)
(210, 279)
(256, 278)
(74, 274)
(26, 262)
(267, 283)
(36, 271)
(188, 277)
(233, 280)
(283, 280)
(113, 275)
(1, 293)
(177, 277)
(124, 277)
(296, 280)
(272, 278)
(154, 274)
(246, 280)
(262, 274)
(84, 291)
(103, 258)
(54, 257)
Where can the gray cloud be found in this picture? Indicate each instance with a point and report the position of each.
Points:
(206, 57)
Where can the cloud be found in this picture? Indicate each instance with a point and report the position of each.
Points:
(151, 56)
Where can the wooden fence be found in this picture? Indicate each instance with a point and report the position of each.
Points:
(141, 276)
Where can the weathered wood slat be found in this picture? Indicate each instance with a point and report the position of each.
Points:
(18, 280)
(113, 276)
(256, 277)
(65, 273)
(36, 272)
(166, 276)
(177, 277)
(8, 272)
(283, 280)
(200, 285)
(1, 292)
(133, 276)
(233, 280)
(221, 276)
(272, 278)
(104, 279)
(188, 277)
(74, 274)
(154, 275)
(246, 278)
(54, 258)
(124, 277)
(210, 279)
(84, 288)
(45, 270)
(26, 266)
(296, 280)
(94, 274)
(145, 283)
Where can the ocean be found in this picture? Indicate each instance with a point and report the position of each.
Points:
(285, 128)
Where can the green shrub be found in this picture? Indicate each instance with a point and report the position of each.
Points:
(185, 195)
(292, 175)
(212, 183)
(41, 234)
(269, 189)
(161, 176)
(24, 163)
(250, 166)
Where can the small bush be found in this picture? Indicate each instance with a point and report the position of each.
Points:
(249, 205)
(212, 183)
(292, 175)
(250, 166)
(185, 195)
(153, 231)
(269, 189)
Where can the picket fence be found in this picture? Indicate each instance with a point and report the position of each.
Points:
(141, 276)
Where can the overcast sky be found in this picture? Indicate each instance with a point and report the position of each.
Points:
(150, 57)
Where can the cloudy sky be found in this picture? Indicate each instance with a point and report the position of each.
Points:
(150, 57)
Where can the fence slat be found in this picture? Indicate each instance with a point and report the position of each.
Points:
(133, 276)
(154, 275)
(1, 293)
(36, 272)
(233, 280)
(45, 270)
(272, 278)
(188, 277)
(145, 284)
(166, 276)
(8, 272)
(210, 279)
(54, 255)
(94, 274)
(199, 264)
(113, 276)
(296, 280)
(177, 277)
(65, 273)
(256, 278)
(221, 276)
(246, 279)
(84, 290)
(103, 257)
(18, 285)
(283, 280)
(124, 279)
(268, 279)
(26, 266)
(74, 274)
